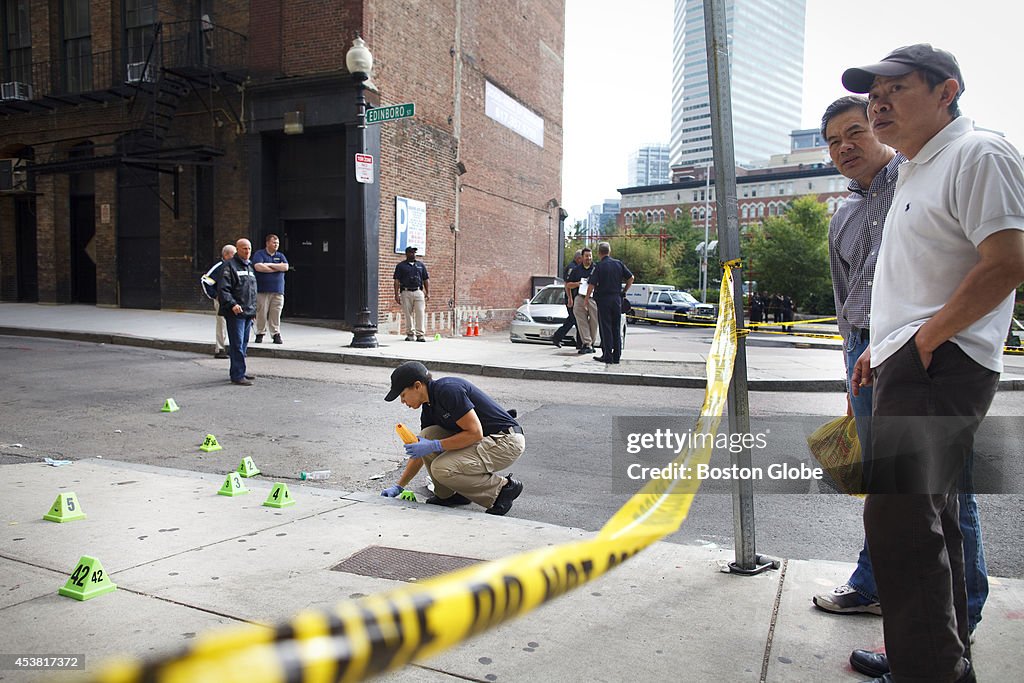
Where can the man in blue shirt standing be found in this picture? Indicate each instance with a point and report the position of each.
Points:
(606, 288)
(270, 266)
(412, 289)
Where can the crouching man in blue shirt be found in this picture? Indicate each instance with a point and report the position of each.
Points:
(465, 438)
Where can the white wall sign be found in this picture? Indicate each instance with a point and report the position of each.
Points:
(410, 225)
(506, 111)
(364, 168)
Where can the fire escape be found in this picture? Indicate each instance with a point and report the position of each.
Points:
(181, 59)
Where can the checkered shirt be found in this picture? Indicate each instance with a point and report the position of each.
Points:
(854, 236)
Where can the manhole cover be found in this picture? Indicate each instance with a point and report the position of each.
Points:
(398, 564)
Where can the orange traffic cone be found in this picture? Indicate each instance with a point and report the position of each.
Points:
(469, 328)
(476, 325)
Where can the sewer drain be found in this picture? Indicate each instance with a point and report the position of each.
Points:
(399, 564)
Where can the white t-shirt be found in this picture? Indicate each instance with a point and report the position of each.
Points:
(963, 186)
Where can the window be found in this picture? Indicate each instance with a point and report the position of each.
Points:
(746, 211)
(760, 210)
(77, 36)
(139, 24)
(17, 42)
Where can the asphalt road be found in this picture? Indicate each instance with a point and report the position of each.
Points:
(74, 400)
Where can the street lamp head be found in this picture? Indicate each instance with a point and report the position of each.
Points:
(358, 59)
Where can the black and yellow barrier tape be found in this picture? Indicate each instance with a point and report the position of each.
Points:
(359, 638)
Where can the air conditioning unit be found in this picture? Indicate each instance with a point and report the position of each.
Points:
(13, 174)
(15, 90)
(140, 72)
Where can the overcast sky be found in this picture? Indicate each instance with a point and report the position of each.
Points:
(618, 72)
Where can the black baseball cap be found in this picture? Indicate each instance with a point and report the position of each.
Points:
(902, 61)
(408, 249)
(404, 376)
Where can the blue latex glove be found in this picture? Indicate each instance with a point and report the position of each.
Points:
(392, 491)
(423, 447)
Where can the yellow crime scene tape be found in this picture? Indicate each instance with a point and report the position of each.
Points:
(359, 638)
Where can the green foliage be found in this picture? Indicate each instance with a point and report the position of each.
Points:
(789, 253)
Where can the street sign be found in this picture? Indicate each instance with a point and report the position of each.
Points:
(390, 113)
(364, 168)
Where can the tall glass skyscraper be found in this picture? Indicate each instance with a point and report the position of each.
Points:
(649, 165)
(766, 53)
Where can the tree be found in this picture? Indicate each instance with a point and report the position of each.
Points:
(790, 255)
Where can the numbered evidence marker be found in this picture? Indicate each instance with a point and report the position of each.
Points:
(87, 581)
(210, 444)
(247, 468)
(170, 406)
(279, 497)
(65, 509)
(233, 486)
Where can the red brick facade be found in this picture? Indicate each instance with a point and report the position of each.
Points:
(491, 221)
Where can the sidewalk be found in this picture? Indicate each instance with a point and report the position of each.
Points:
(187, 560)
(650, 357)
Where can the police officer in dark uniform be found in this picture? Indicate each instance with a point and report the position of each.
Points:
(606, 288)
(412, 291)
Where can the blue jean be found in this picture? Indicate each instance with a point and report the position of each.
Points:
(238, 343)
(975, 572)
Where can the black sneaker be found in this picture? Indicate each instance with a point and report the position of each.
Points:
(277, 339)
(221, 354)
(557, 343)
(508, 493)
(259, 338)
(450, 501)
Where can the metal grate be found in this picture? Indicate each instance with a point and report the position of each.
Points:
(398, 564)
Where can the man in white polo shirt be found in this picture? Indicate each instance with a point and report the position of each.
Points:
(952, 254)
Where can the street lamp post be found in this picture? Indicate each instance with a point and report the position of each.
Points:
(359, 62)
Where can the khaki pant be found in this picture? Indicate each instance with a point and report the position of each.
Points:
(221, 328)
(586, 320)
(414, 308)
(268, 309)
(471, 470)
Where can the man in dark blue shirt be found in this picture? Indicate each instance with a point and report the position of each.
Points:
(606, 288)
(412, 290)
(465, 438)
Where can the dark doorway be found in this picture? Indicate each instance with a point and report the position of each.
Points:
(316, 252)
(27, 253)
(311, 205)
(138, 238)
(83, 232)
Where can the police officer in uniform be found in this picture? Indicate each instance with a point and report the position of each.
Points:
(606, 288)
(412, 291)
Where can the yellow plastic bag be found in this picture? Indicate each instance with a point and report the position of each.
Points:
(836, 447)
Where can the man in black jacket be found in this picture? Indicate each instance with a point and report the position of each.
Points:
(237, 294)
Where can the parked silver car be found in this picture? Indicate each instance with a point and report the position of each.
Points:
(538, 318)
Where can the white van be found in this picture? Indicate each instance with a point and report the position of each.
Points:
(638, 295)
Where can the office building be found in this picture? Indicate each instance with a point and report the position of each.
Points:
(766, 51)
(649, 165)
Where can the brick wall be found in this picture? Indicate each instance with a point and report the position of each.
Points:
(436, 53)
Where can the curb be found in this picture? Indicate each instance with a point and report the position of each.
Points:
(616, 378)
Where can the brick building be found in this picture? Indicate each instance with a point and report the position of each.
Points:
(138, 136)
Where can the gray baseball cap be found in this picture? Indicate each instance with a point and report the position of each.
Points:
(902, 61)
